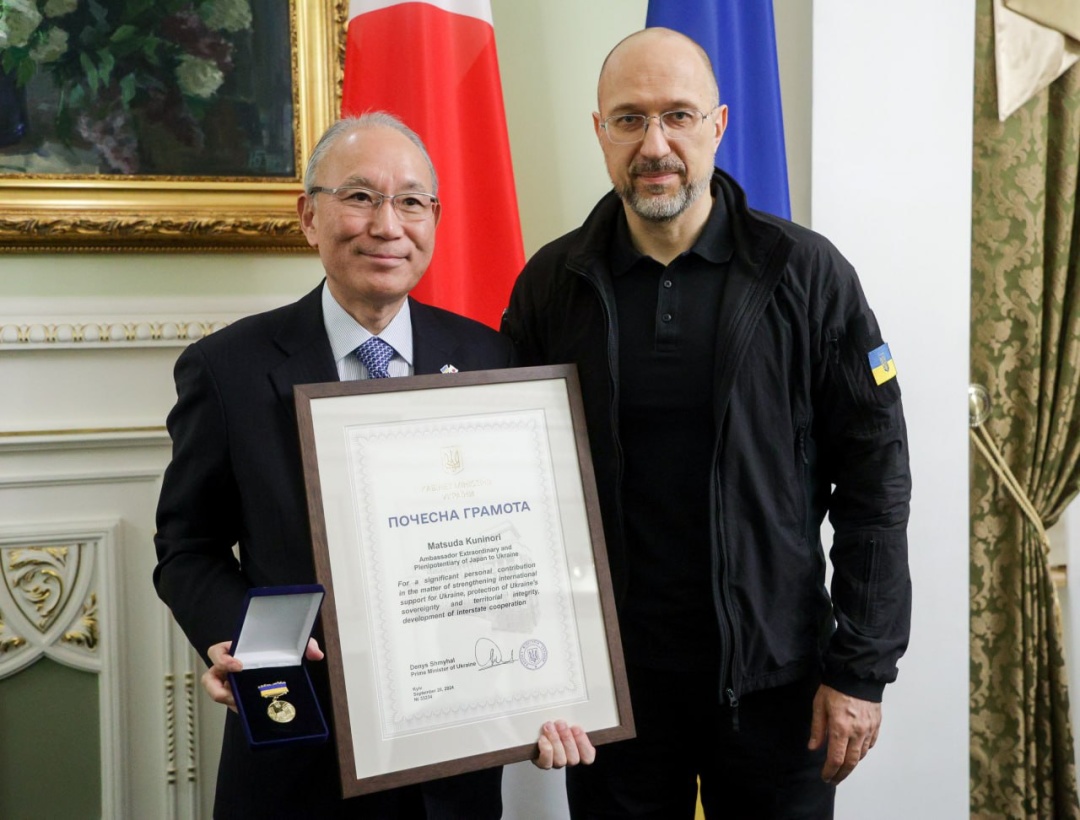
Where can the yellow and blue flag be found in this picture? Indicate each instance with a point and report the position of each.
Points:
(881, 364)
(274, 690)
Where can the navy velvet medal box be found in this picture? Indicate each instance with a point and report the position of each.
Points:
(273, 692)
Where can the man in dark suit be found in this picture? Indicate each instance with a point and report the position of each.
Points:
(369, 207)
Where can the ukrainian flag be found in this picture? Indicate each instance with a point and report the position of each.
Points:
(881, 364)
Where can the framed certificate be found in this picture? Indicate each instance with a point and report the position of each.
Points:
(457, 532)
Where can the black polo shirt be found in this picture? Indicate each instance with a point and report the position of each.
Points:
(667, 318)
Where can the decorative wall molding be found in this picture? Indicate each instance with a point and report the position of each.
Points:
(55, 334)
(82, 438)
(49, 596)
(79, 479)
(44, 459)
(58, 595)
(182, 739)
(102, 438)
(192, 769)
(60, 323)
(170, 729)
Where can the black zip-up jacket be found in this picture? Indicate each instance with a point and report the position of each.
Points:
(803, 429)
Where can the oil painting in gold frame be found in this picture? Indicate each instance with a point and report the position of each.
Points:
(84, 193)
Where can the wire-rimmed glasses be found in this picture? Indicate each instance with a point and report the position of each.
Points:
(410, 206)
(681, 124)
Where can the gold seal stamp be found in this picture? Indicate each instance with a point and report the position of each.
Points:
(280, 711)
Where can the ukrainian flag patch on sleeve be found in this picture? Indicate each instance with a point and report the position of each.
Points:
(881, 364)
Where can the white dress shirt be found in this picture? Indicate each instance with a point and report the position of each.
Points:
(346, 334)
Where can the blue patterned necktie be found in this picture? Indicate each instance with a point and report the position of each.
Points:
(375, 354)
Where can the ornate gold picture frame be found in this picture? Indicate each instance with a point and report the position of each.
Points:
(48, 209)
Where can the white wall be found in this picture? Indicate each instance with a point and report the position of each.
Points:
(892, 103)
(550, 54)
(794, 51)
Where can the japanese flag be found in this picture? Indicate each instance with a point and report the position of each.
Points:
(434, 65)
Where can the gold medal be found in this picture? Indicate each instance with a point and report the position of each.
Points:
(280, 711)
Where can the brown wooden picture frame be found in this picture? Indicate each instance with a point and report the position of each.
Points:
(111, 211)
(407, 418)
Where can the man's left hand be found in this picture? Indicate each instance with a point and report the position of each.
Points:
(850, 724)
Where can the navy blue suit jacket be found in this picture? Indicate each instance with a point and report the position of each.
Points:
(236, 478)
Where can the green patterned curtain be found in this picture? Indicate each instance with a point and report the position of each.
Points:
(1025, 349)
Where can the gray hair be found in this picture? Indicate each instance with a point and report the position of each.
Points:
(367, 120)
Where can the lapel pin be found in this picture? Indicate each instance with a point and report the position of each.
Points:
(448, 368)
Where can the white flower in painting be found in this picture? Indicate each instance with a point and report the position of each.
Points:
(198, 77)
(226, 15)
(58, 8)
(50, 49)
(18, 20)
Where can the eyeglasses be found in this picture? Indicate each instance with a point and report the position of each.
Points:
(623, 129)
(410, 206)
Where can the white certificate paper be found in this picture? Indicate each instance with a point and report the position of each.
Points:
(470, 608)
(456, 529)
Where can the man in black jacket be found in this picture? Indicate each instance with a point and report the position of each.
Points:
(737, 389)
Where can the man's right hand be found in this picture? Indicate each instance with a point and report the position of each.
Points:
(215, 680)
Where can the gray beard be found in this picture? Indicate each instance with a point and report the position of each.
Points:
(666, 208)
